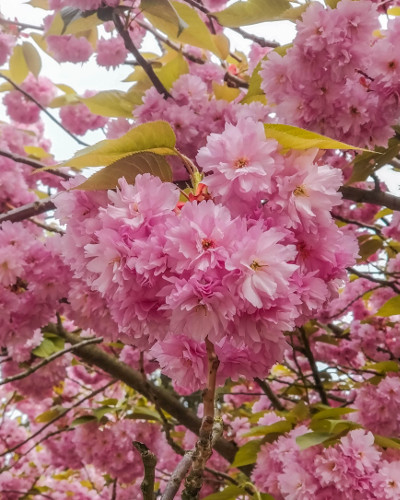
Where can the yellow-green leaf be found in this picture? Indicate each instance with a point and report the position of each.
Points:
(251, 12)
(224, 92)
(129, 167)
(369, 247)
(254, 92)
(383, 366)
(18, 66)
(196, 33)
(171, 71)
(311, 439)
(156, 137)
(109, 103)
(386, 442)
(332, 413)
(49, 415)
(262, 430)
(394, 11)
(32, 58)
(390, 308)
(41, 4)
(298, 138)
(247, 454)
(36, 152)
(165, 11)
(231, 492)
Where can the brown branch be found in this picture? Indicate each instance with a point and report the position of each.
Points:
(389, 284)
(40, 106)
(149, 463)
(32, 163)
(148, 68)
(317, 379)
(48, 360)
(60, 415)
(29, 210)
(270, 394)
(133, 378)
(177, 477)
(374, 197)
(254, 38)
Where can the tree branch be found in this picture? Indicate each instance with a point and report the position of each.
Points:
(52, 118)
(29, 210)
(48, 360)
(374, 197)
(134, 379)
(177, 477)
(149, 463)
(148, 68)
(270, 394)
(32, 163)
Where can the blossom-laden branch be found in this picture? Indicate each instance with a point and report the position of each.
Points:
(48, 360)
(32, 163)
(149, 463)
(148, 68)
(133, 378)
(52, 118)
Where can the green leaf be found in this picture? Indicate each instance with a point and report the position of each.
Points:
(156, 137)
(251, 12)
(311, 439)
(144, 413)
(386, 442)
(224, 92)
(231, 492)
(390, 308)
(254, 92)
(332, 413)
(32, 58)
(171, 71)
(18, 66)
(247, 454)
(165, 11)
(369, 247)
(333, 426)
(383, 366)
(48, 347)
(298, 138)
(41, 4)
(128, 167)
(394, 11)
(103, 410)
(370, 161)
(49, 415)
(113, 103)
(262, 430)
(83, 420)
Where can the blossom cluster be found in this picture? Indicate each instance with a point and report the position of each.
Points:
(238, 265)
(339, 78)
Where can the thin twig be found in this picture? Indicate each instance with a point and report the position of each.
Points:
(48, 360)
(21, 25)
(33, 163)
(148, 68)
(52, 118)
(270, 394)
(389, 284)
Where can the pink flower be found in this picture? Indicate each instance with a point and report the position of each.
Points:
(68, 48)
(111, 53)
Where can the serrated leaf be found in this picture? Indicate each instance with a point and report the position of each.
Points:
(262, 430)
(171, 71)
(247, 454)
(156, 137)
(291, 137)
(390, 308)
(18, 66)
(128, 167)
(32, 58)
(49, 415)
(83, 420)
(332, 413)
(251, 12)
(165, 10)
(231, 492)
(111, 103)
(312, 439)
